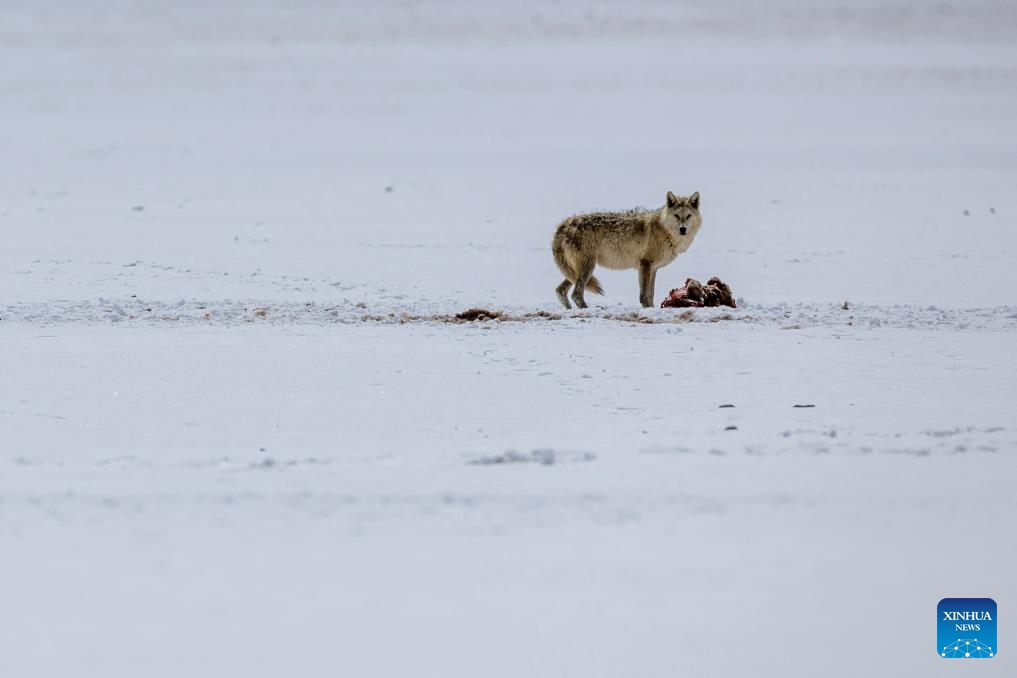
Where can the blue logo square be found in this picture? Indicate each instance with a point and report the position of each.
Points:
(966, 628)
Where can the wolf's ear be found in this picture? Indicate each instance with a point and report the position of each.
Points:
(672, 199)
(694, 200)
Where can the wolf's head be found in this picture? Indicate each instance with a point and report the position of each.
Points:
(683, 213)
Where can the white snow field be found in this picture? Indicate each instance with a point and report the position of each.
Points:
(241, 433)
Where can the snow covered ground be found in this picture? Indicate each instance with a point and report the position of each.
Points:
(241, 433)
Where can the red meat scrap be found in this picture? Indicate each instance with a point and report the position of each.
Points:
(695, 294)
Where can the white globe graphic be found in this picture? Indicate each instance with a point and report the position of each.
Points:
(967, 648)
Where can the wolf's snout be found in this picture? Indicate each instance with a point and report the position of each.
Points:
(683, 230)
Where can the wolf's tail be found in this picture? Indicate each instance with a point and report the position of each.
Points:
(558, 249)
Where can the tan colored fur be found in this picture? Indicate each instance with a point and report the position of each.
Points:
(640, 239)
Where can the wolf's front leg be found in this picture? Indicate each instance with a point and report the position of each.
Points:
(646, 279)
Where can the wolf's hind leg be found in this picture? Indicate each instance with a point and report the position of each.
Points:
(583, 274)
(562, 291)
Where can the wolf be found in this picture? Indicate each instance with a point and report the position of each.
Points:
(642, 239)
